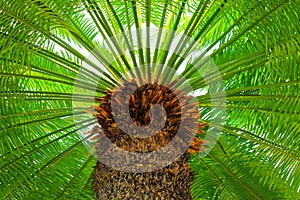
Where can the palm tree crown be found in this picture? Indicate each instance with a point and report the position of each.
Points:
(46, 90)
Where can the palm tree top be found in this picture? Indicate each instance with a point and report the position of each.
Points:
(55, 59)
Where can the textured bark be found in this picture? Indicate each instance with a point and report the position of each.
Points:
(171, 182)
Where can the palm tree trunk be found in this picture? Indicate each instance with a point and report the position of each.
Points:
(171, 182)
(168, 182)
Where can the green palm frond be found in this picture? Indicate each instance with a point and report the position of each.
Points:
(254, 44)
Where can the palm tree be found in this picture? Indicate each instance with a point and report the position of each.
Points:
(47, 93)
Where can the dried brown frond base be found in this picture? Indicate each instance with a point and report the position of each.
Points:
(170, 182)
